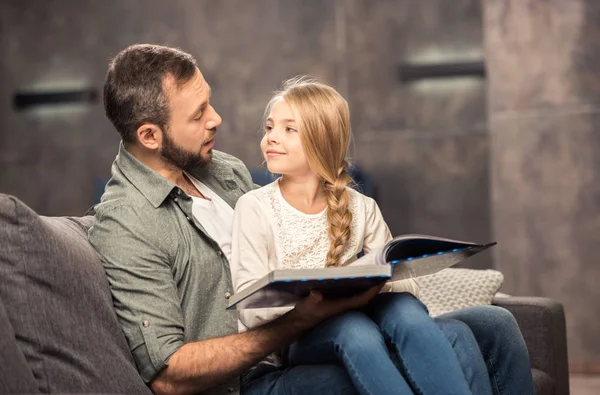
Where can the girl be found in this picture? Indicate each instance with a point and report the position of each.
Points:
(310, 218)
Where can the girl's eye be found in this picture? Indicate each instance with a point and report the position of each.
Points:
(268, 128)
(291, 130)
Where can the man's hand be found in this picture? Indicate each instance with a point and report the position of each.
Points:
(313, 309)
(200, 365)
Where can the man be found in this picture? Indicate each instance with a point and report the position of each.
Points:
(161, 232)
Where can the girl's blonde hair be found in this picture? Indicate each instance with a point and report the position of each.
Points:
(323, 120)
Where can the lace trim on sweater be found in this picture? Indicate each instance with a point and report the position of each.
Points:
(301, 240)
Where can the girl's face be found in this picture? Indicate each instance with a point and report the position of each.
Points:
(281, 144)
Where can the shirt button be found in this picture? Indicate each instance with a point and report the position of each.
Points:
(146, 324)
(179, 191)
(188, 218)
(176, 199)
(227, 295)
(220, 253)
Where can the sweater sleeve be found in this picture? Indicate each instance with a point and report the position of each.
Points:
(377, 234)
(250, 255)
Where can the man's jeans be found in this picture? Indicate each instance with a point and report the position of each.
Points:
(495, 331)
(502, 345)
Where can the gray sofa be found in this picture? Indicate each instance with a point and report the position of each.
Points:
(59, 333)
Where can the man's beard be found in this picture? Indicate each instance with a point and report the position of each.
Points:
(177, 156)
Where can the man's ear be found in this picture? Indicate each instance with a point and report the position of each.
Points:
(150, 136)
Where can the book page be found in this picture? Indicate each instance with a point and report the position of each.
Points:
(369, 258)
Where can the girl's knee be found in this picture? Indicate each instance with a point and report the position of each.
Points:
(356, 323)
(357, 330)
(402, 306)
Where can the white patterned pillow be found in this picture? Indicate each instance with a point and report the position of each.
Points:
(454, 288)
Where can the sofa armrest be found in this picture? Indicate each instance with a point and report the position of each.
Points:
(542, 322)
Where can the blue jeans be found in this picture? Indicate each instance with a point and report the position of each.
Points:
(494, 329)
(393, 346)
(502, 345)
(298, 380)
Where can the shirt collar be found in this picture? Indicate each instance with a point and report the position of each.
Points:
(157, 188)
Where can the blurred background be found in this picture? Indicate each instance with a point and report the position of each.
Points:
(476, 120)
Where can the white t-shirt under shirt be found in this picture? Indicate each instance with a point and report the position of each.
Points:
(269, 234)
(215, 215)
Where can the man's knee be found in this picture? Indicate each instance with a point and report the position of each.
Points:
(494, 328)
(456, 331)
(482, 319)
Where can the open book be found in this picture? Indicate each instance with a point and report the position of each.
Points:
(404, 257)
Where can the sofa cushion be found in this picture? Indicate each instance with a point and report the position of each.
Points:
(542, 383)
(58, 301)
(15, 375)
(452, 289)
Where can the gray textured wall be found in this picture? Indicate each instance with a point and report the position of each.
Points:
(544, 105)
(425, 144)
(529, 180)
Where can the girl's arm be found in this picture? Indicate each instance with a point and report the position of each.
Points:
(250, 255)
(377, 234)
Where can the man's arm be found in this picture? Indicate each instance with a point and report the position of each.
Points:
(204, 364)
(135, 254)
(136, 251)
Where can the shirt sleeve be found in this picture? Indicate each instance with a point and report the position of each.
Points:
(133, 253)
(377, 234)
(250, 255)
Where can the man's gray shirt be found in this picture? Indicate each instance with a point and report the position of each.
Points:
(169, 279)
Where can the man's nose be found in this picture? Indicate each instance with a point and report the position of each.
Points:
(219, 120)
(215, 120)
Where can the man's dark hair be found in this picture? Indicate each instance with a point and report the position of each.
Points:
(133, 88)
